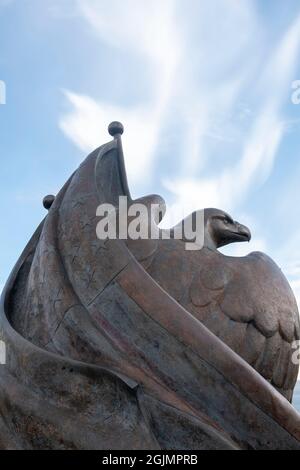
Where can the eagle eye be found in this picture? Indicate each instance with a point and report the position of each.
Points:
(227, 220)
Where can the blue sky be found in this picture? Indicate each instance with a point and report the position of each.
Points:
(202, 87)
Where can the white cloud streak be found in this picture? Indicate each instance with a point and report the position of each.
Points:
(131, 26)
(86, 126)
(261, 142)
(183, 47)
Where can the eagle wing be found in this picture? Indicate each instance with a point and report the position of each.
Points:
(245, 301)
(258, 298)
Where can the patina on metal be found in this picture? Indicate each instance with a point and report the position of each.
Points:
(141, 344)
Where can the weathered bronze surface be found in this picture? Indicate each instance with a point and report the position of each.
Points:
(141, 344)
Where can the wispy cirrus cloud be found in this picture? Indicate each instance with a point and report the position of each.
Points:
(132, 27)
(258, 144)
(157, 33)
(187, 95)
(86, 126)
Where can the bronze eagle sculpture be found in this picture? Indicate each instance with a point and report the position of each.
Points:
(141, 344)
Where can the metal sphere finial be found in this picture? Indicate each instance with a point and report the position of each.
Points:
(48, 201)
(115, 128)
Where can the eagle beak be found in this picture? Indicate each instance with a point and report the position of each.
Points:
(243, 232)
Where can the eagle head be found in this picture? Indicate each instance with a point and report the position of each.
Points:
(221, 229)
